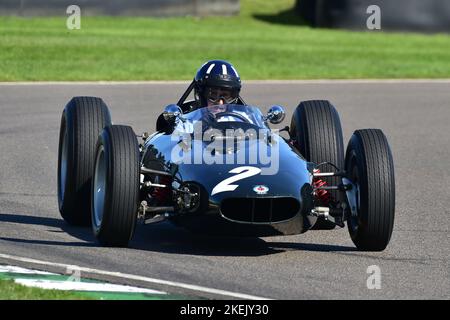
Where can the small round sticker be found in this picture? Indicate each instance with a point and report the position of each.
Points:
(260, 189)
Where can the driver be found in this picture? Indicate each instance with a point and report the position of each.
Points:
(216, 82)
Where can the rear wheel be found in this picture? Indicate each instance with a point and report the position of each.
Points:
(115, 190)
(369, 165)
(82, 121)
(316, 129)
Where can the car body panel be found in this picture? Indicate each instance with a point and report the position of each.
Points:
(252, 177)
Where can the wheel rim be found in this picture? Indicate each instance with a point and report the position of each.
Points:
(63, 165)
(99, 187)
(353, 221)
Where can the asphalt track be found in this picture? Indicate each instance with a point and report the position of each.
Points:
(318, 264)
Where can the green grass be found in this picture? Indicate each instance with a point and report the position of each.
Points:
(12, 291)
(266, 41)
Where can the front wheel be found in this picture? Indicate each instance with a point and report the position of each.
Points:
(369, 164)
(115, 188)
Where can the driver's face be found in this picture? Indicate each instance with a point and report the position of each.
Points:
(219, 96)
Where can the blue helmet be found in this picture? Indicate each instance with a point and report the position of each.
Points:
(215, 80)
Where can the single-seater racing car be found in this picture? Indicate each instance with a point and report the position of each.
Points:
(223, 170)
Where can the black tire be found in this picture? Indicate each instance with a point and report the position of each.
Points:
(82, 121)
(369, 164)
(115, 190)
(317, 131)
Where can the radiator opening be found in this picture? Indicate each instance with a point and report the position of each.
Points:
(260, 210)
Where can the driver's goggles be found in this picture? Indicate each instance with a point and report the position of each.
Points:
(227, 96)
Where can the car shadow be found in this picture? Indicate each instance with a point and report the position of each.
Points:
(82, 233)
(165, 238)
(316, 247)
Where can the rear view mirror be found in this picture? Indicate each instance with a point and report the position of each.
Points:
(276, 114)
(171, 112)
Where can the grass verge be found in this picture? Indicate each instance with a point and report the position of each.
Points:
(266, 41)
(13, 291)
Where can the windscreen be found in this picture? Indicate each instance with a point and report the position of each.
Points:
(227, 113)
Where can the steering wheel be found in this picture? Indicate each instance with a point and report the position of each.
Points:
(232, 114)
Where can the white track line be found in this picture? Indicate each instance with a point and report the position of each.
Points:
(179, 82)
(136, 277)
(14, 269)
(84, 286)
(68, 284)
